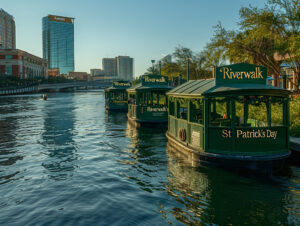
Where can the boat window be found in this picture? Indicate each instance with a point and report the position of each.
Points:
(277, 104)
(155, 98)
(220, 112)
(172, 108)
(257, 111)
(162, 99)
(123, 95)
(182, 111)
(132, 99)
(197, 111)
(241, 110)
(143, 98)
(251, 111)
(119, 95)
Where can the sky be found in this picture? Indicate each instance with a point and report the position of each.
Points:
(144, 30)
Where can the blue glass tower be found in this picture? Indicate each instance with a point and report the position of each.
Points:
(58, 42)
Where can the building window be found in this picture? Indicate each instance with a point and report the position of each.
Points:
(8, 57)
(8, 70)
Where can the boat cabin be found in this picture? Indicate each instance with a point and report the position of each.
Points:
(116, 96)
(147, 101)
(235, 116)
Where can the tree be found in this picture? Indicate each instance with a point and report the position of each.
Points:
(152, 71)
(197, 64)
(264, 34)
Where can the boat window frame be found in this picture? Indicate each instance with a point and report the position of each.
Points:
(218, 120)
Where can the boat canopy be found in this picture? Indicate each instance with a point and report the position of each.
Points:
(208, 87)
(193, 87)
(231, 79)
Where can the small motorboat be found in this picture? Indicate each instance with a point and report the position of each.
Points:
(44, 97)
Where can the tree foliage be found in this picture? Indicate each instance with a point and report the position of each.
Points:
(266, 36)
(197, 64)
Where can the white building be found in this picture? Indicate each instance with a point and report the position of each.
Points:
(124, 68)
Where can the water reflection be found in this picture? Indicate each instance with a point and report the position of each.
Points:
(57, 137)
(146, 157)
(211, 195)
(11, 111)
(115, 117)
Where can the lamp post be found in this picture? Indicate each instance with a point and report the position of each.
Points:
(284, 75)
(152, 61)
(213, 69)
(284, 79)
(188, 69)
(159, 63)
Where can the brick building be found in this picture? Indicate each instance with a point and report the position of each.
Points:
(15, 62)
(53, 72)
(80, 76)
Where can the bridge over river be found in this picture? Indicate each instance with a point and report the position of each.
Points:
(57, 87)
(100, 84)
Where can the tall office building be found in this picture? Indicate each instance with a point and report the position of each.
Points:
(58, 42)
(7, 31)
(124, 67)
(109, 66)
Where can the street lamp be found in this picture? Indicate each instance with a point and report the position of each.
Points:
(152, 61)
(188, 69)
(284, 79)
(284, 75)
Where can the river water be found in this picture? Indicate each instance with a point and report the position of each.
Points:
(64, 161)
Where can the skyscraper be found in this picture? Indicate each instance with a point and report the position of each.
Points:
(58, 42)
(125, 67)
(7, 31)
(109, 66)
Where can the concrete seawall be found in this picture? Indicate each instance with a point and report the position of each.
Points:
(21, 90)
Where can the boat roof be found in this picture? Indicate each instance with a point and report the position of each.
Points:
(116, 88)
(141, 87)
(193, 87)
(208, 87)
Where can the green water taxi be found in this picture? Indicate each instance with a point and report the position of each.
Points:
(116, 96)
(147, 101)
(235, 118)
